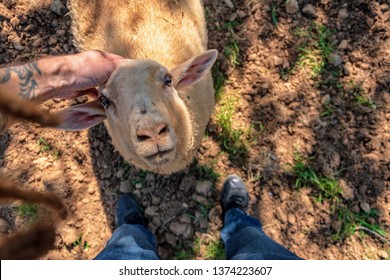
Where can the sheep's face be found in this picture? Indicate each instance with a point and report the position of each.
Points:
(148, 122)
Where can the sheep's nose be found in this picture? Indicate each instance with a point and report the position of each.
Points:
(152, 133)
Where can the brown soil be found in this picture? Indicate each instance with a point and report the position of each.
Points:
(289, 111)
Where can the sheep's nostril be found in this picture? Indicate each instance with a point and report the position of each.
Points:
(163, 129)
(152, 133)
(142, 138)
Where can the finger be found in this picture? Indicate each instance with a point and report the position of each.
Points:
(92, 92)
(110, 56)
(120, 62)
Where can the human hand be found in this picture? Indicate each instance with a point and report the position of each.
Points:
(86, 71)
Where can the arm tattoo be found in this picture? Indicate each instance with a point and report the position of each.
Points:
(3, 122)
(25, 73)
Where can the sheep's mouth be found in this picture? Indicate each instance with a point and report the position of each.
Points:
(161, 157)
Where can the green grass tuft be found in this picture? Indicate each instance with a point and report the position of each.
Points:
(314, 52)
(232, 49)
(232, 140)
(352, 222)
(27, 210)
(326, 188)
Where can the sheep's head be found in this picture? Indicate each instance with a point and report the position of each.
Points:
(149, 123)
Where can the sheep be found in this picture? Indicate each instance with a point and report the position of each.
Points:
(157, 105)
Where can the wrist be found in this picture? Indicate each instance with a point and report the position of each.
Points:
(57, 76)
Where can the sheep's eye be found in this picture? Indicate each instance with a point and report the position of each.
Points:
(104, 101)
(168, 80)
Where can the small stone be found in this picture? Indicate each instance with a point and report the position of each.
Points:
(291, 219)
(343, 45)
(58, 8)
(4, 226)
(53, 40)
(241, 13)
(124, 187)
(336, 225)
(342, 14)
(348, 68)
(66, 48)
(180, 229)
(325, 100)
(17, 45)
(138, 186)
(229, 3)
(365, 207)
(137, 194)
(335, 59)
(383, 254)
(186, 183)
(120, 173)
(91, 190)
(156, 200)
(151, 211)
(281, 215)
(292, 6)
(200, 199)
(215, 213)
(347, 191)
(185, 219)
(277, 60)
(185, 205)
(171, 239)
(60, 32)
(364, 66)
(203, 188)
(252, 56)
(283, 195)
(309, 10)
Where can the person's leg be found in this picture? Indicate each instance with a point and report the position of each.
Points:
(242, 235)
(131, 240)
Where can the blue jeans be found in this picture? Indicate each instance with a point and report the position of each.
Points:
(242, 235)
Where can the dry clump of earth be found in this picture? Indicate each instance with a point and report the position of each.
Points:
(337, 120)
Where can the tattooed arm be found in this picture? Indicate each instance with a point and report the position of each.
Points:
(66, 77)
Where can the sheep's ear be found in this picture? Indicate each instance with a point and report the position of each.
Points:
(194, 69)
(82, 116)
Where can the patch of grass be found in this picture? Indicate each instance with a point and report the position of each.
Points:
(203, 172)
(187, 251)
(328, 111)
(27, 210)
(231, 52)
(46, 147)
(327, 188)
(365, 101)
(80, 243)
(232, 49)
(214, 250)
(352, 222)
(231, 139)
(358, 95)
(141, 177)
(206, 247)
(314, 52)
(219, 81)
(43, 144)
(274, 11)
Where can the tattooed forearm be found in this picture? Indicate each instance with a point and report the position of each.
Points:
(25, 74)
(3, 122)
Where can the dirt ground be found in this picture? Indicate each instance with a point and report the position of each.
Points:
(334, 120)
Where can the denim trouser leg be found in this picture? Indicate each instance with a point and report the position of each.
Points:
(245, 240)
(130, 242)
